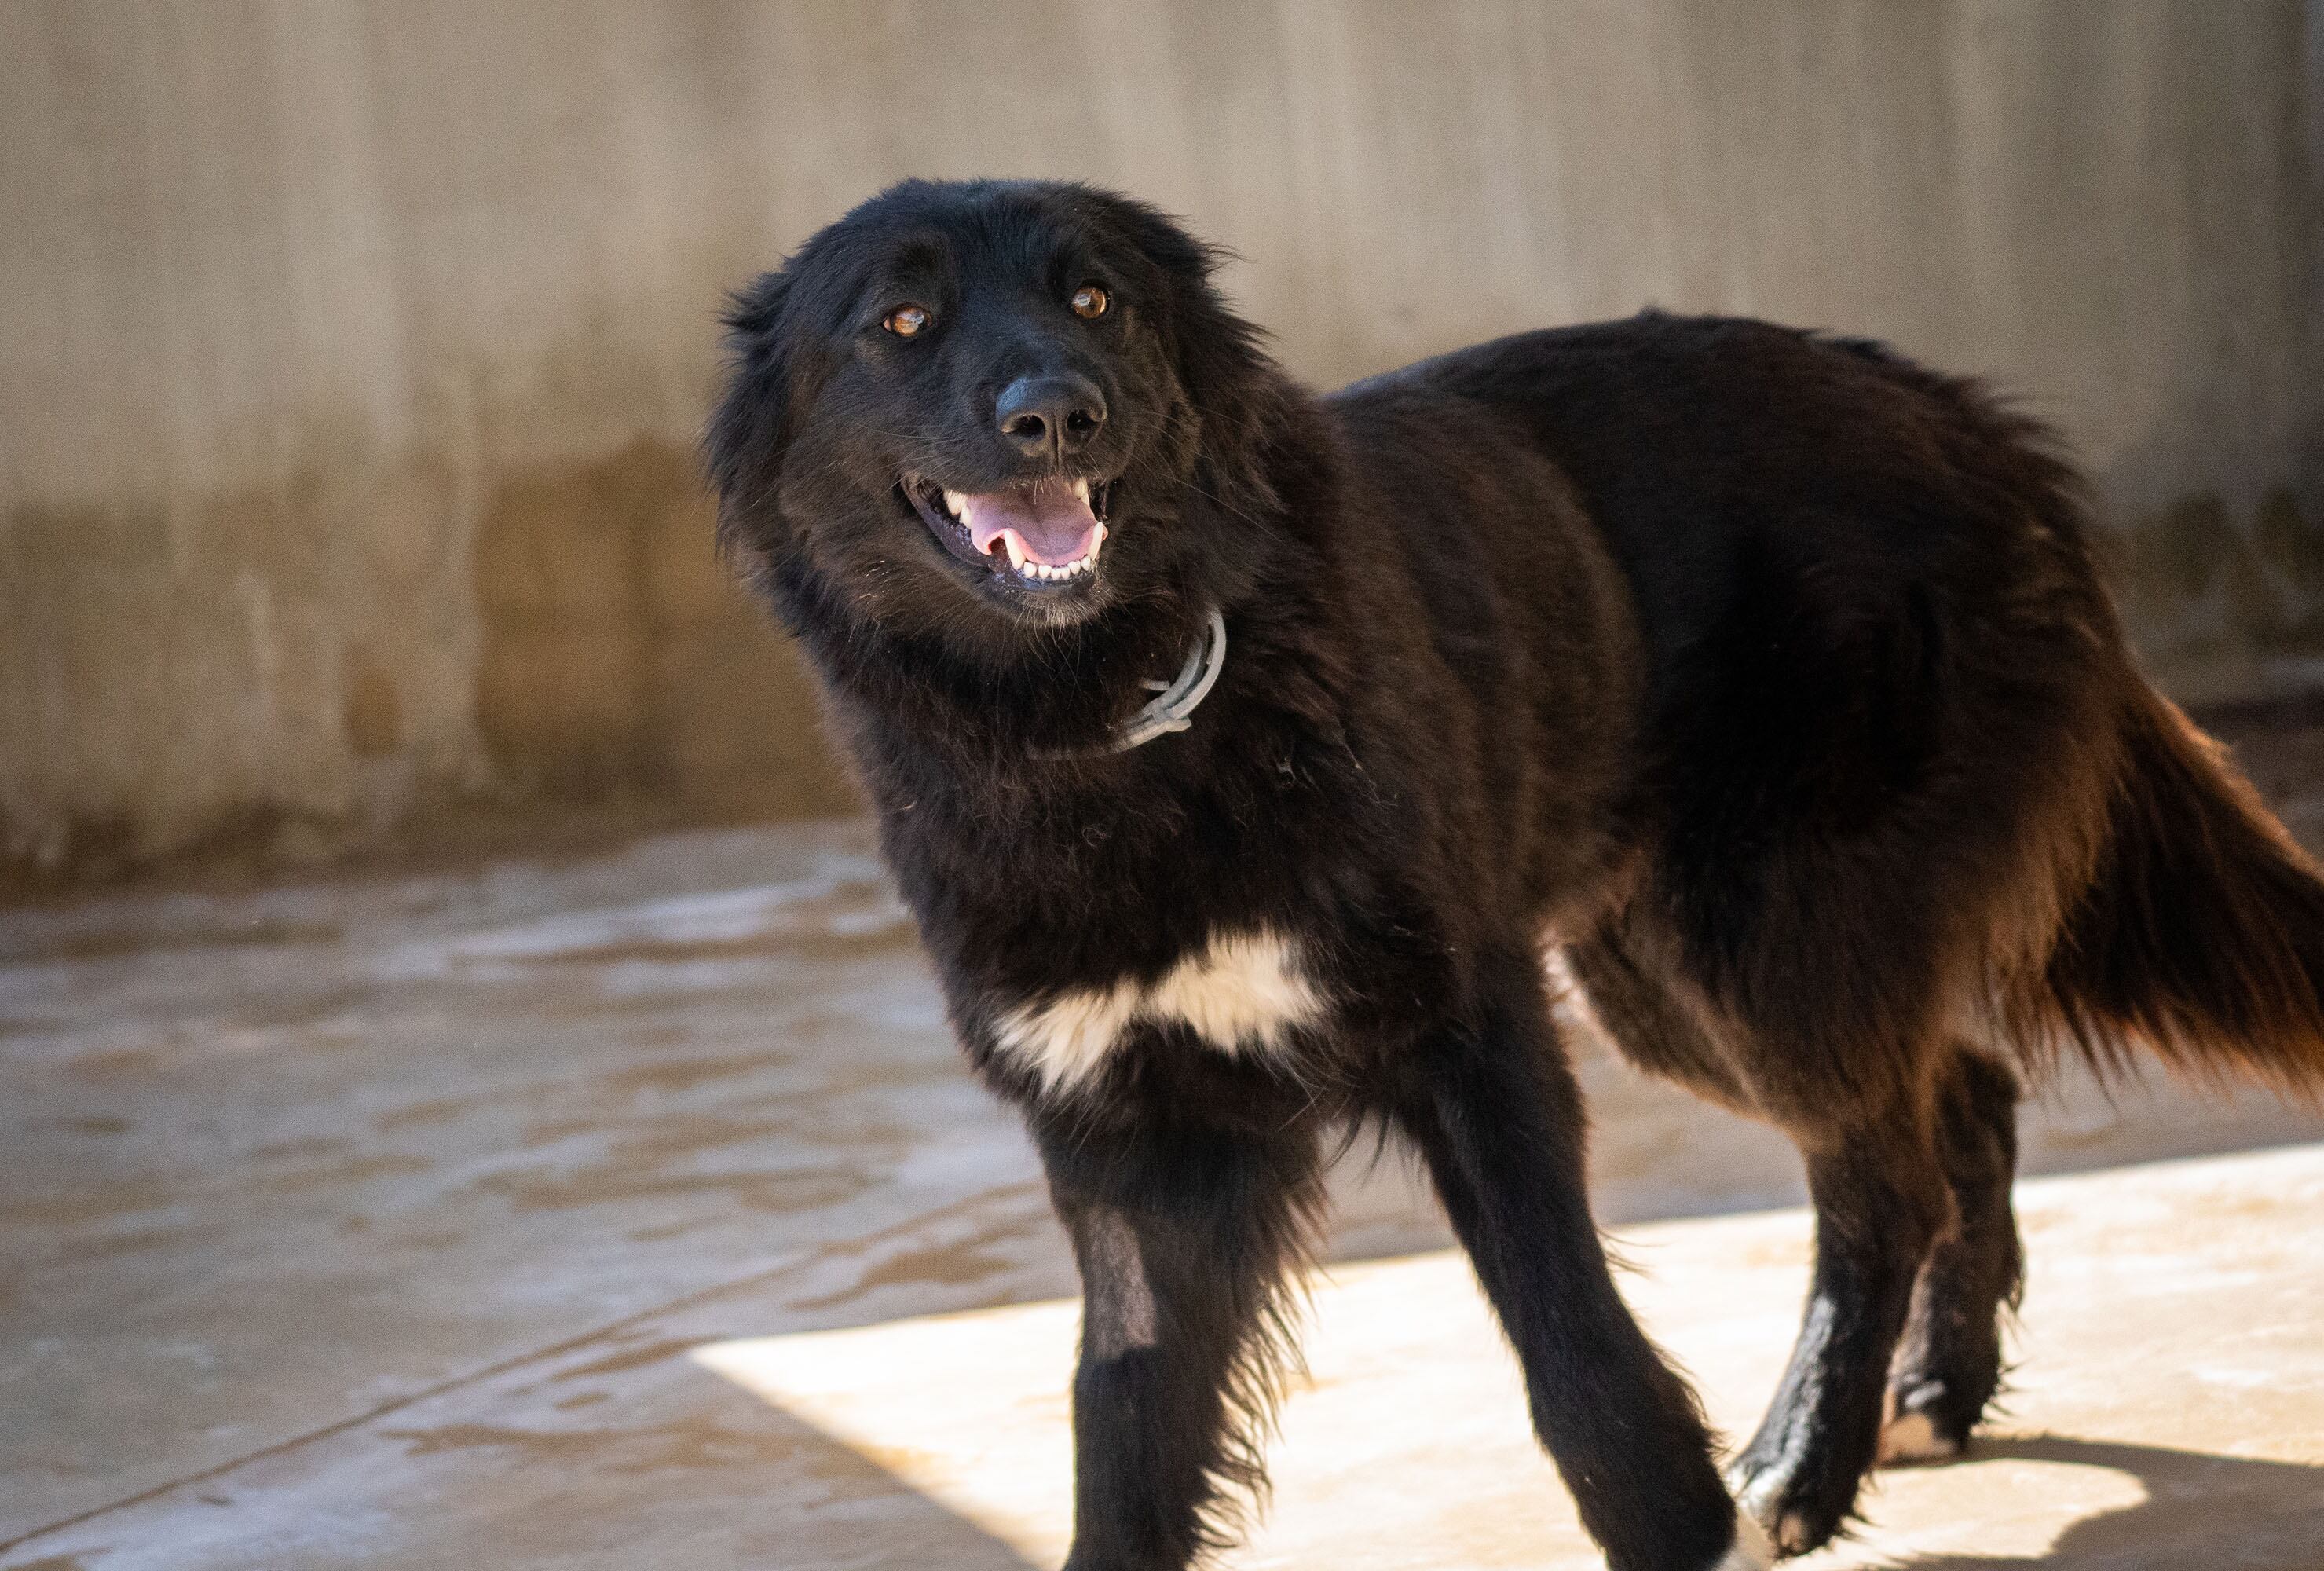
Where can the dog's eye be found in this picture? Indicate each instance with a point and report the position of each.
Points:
(906, 321)
(1089, 301)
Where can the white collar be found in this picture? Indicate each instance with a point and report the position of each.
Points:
(1174, 702)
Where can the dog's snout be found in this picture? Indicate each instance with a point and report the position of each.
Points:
(1050, 415)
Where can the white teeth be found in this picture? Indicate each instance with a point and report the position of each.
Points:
(953, 502)
(1041, 572)
(1052, 572)
(1081, 489)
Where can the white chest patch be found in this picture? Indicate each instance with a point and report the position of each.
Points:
(1241, 993)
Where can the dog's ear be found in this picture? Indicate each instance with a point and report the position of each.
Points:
(743, 447)
(1236, 390)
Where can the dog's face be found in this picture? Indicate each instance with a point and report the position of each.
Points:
(987, 401)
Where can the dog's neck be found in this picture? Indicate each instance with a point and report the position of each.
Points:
(1171, 707)
(1061, 696)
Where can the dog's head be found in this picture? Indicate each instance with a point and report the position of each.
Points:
(987, 407)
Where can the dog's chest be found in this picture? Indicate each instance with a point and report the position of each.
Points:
(1241, 994)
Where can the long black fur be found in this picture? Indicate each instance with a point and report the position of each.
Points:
(1768, 672)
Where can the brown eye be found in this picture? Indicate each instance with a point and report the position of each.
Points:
(1089, 301)
(906, 321)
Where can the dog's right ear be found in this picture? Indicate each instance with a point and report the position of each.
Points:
(743, 447)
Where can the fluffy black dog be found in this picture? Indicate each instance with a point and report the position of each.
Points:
(1765, 673)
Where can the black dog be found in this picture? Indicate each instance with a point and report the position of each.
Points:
(1765, 673)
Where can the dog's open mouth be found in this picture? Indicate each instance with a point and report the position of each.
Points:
(1044, 534)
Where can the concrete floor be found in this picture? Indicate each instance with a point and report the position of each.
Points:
(623, 1213)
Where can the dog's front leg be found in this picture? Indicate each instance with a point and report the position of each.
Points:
(1185, 1234)
(1492, 1105)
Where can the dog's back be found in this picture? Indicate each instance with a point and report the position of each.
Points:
(1889, 717)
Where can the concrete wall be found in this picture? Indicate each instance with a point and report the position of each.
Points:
(350, 355)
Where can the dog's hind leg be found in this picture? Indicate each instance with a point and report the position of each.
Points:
(1950, 1363)
(1881, 1201)
(1186, 1233)
(1893, 1265)
(1491, 1103)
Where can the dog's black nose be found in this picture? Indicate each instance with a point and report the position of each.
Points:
(1050, 414)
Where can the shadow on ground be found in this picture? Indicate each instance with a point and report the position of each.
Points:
(2201, 1510)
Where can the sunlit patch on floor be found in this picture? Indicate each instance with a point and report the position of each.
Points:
(1408, 1443)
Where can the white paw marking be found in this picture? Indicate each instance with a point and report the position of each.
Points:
(1751, 1551)
(1912, 1438)
(1241, 993)
(1791, 1534)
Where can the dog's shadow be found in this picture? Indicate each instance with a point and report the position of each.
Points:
(2200, 1511)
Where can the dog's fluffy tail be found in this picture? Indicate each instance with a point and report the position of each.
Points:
(2200, 932)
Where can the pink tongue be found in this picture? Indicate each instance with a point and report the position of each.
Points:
(1052, 523)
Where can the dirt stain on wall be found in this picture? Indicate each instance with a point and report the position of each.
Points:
(374, 709)
(619, 659)
(342, 639)
(2221, 606)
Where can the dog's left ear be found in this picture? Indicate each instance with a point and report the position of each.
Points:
(743, 447)
(1235, 388)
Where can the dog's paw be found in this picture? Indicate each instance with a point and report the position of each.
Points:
(1768, 1503)
(1911, 1439)
(1919, 1425)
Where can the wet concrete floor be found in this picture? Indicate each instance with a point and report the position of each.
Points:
(623, 1213)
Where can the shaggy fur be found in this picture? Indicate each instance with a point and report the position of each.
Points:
(1766, 673)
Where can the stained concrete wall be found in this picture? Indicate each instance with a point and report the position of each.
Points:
(349, 354)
